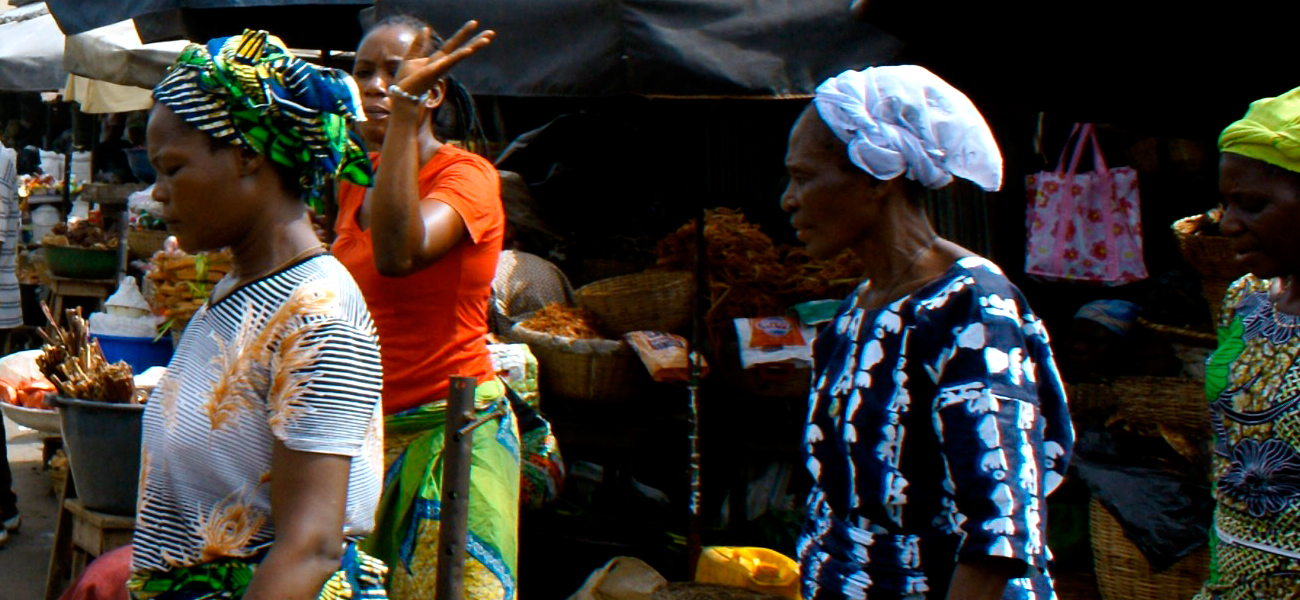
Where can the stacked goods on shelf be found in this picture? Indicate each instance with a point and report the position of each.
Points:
(181, 283)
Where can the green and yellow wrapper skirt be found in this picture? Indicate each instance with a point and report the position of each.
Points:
(407, 523)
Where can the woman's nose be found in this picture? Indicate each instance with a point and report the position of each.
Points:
(1231, 224)
(788, 201)
(372, 86)
(160, 193)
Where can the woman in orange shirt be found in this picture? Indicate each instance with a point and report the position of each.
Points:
(422, 245)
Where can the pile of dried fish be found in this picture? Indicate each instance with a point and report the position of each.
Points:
(567, 321)
(749, 275)
(75, 364)
(82, 234)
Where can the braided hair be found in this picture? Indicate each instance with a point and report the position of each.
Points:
(462, 122)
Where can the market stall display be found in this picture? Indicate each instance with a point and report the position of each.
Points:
(74, 363)
(181, 282)
(147, 231)
(575, 360)
(127, 329)
(99, 410)
(751, 276)
(23, 390)
(82, 250)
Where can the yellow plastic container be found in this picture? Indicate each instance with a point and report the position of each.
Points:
(757, 569)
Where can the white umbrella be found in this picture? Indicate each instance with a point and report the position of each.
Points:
(31, 50)
(114, 53)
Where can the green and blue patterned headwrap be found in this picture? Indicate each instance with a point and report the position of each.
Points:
(250, 91)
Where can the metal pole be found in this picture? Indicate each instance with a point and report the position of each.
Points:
(456, 452)
(694, 525)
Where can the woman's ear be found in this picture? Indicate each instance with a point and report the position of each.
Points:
(250, 162)
(436, 95)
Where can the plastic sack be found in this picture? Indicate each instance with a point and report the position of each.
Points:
(1161, 500)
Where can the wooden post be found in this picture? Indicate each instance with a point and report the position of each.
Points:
(454, 529)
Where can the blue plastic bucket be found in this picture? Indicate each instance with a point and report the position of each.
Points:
(139, 352)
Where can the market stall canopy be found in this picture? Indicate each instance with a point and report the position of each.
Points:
(31, 50)
(317, 24)
(1155, 63)
(114, 53)
(674, 48)
(98, 97)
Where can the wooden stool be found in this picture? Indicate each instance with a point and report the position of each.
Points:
(81, 535)
(58, 288)
(21, 337)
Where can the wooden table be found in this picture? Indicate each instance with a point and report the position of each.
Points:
(57, 288)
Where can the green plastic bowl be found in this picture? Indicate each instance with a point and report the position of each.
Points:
(81, 263)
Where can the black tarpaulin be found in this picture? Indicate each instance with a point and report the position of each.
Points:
(311, 24)
(671, 48)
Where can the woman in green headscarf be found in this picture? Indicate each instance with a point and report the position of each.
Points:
(1253, 379)
(262, 446)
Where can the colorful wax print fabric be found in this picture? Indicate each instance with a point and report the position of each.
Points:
(1253, 385)
(937, 427)
(360, 577)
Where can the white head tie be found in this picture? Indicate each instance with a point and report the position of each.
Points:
(906, 120)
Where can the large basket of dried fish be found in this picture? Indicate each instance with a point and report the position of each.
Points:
(573, 361)
(646, 301)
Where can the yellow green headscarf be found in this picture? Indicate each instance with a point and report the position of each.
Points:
(1270, 132)
(250, 91)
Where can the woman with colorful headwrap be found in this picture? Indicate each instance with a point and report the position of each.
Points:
(423, 245)
(937, 423)
(1250, 380)
(261, 453)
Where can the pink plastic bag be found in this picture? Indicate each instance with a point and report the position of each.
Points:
(1084, 227)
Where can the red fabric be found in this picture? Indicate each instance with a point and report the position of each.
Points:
(432, 324)
(104, 578)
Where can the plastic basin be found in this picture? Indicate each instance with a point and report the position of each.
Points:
(81, 263)
(139, 352)
(103, 442)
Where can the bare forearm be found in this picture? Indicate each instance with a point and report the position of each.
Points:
(290, 573)
(395, 220)
(983, 578)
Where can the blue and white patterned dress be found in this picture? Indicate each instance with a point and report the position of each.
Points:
(937, 427)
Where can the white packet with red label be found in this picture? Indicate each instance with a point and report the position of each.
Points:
(769, 340)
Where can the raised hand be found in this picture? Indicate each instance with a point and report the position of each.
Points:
(421, 70)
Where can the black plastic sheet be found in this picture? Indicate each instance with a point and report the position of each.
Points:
(674, 48)
(1161, 500)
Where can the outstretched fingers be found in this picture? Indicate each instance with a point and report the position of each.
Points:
(457, 39)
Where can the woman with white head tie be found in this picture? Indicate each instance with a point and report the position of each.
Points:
(937, 424)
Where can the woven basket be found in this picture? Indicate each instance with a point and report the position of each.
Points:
(646, 301)
(583, 369)
(1212, 256)
(1172, 401)
(141, 244)
(1124, 574)
(1180, 335)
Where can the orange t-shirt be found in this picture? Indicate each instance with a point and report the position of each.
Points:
(432, 324)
